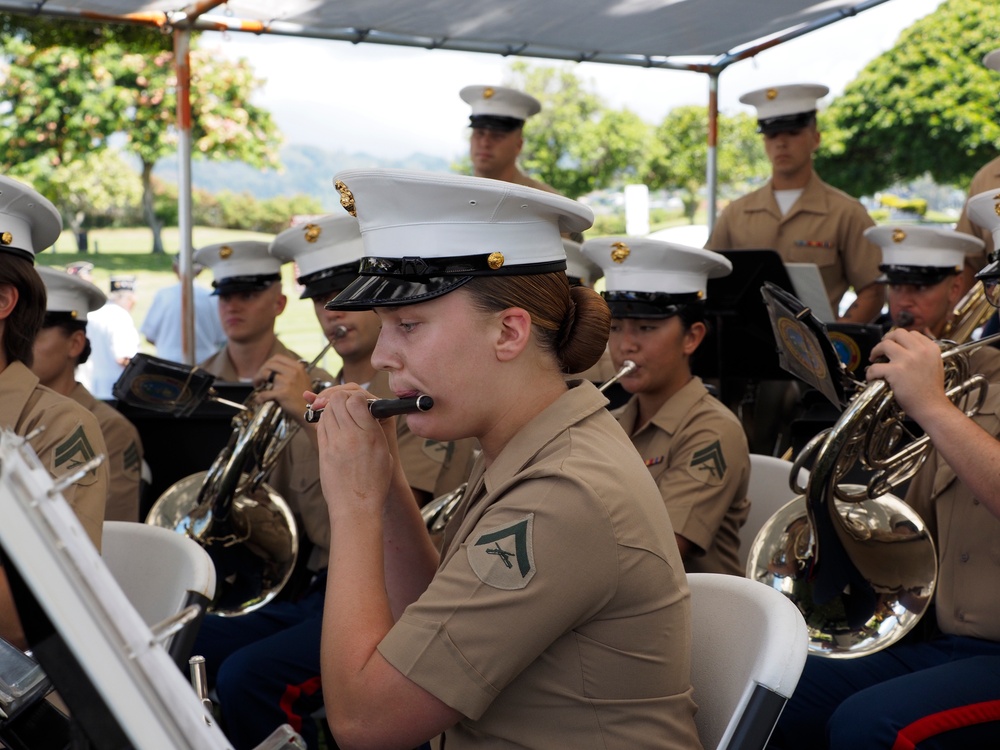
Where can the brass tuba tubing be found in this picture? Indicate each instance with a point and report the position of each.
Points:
(627, 368)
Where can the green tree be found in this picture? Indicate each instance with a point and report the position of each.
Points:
(69, 101)
(679, 158)
(576, 144)
(926, 106)
(93, 190)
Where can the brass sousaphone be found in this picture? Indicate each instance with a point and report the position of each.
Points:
(858, 562)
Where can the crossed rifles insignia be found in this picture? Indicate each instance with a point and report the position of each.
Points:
(708, 464)
(503, 557)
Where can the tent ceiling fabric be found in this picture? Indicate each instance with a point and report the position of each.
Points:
(604, 30)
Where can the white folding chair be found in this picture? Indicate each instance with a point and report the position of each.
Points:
(749, 646)
(162, 573)
(768, 491)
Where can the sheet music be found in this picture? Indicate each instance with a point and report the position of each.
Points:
(810, 290)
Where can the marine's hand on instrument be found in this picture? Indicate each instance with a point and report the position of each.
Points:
(355, 450)
(913, 368)
(287, 379)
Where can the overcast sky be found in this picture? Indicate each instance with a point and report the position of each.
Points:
(396, 101)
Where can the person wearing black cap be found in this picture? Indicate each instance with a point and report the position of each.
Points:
(556, 614)
(497, 119)
(71, 436)
(942, 691)
(60, 346)
(114, 339)
(796, 213)
(694, 447)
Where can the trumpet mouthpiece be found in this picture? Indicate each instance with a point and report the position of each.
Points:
(339, 332)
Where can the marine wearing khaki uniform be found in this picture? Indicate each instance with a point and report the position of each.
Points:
(696, 451)
(124, 456)
(71, 437)
(825, 226)
(548, 520)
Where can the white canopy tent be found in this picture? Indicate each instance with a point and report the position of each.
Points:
(704, 36)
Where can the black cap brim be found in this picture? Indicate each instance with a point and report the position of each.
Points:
(785, 123)
(495, 122)
(916, 275)
(990, 272)
(323, 282)
(367, 292)
(239, 284)
(647, 305)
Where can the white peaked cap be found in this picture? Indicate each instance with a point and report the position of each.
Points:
(992, 60)
(29, 223)
(578, 266)
(244, 259)
(639, 264)
(984, 211)
(785, 100)
(68, 293)
(327, 242)
(500, 101)
(923, 246)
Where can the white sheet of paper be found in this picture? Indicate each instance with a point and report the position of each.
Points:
(809, 288)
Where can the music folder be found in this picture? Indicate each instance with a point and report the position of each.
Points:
(810, 290)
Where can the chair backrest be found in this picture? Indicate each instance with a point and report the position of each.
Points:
(161, 573)
(768, 491)
(749, 646)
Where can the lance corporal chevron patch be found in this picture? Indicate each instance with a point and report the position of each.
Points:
(708, 464)
(503, 557)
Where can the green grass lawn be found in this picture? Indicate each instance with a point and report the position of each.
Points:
(127, 251)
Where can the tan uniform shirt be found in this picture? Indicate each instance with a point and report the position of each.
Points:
(696, 451)
(825, 226)
(429, 465)
(560, 614)
(296, 474)
(71, 437)
(987, 178)
(124, 456)
(968, 541)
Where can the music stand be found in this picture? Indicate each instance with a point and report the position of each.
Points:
(740, 333)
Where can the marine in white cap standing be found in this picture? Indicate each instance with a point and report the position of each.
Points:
(497, 119)
(797, 214)
(987, 178)
(694, 447)
(561, 560)
(943, 691)
(114, 339)
(60, 346)
(71, 436)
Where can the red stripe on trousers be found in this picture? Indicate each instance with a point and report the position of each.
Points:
(292, 694)
(976, 713)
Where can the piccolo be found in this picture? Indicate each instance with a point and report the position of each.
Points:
(382, 408)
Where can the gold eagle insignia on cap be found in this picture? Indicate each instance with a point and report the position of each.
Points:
(620, 251)
(346, 198)
(488, 92)
(225, 251)
(996, 206)
(6, 238)
(898, 235)
(495, 260)
(313, 232)
(771, 94)
(73, 314)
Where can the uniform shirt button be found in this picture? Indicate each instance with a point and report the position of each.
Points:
(960, 616)
(975, 501)
(964, 557)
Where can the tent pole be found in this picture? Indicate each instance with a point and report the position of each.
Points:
(182, 63)
(712, 167)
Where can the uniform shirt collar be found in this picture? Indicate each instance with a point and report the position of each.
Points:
(16, 384)
(669, 416)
